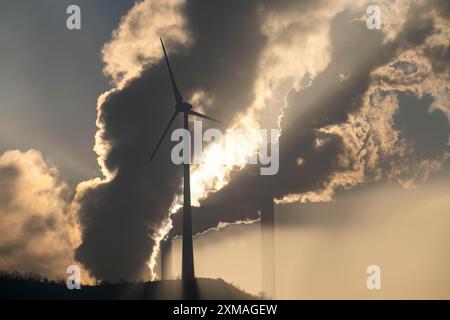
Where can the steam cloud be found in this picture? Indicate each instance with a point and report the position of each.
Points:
(256, 64)
(122, 213)
(38, 234)
(339, 131)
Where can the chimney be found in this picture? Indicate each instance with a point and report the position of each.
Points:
(268, 247)
(166, 259)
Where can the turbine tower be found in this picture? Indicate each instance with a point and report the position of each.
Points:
(187, 269)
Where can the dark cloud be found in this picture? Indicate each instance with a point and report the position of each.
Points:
(427, 131)
(440, 58)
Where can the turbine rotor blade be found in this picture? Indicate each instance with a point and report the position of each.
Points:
(163, 135)
(176, 92)
(191, 112)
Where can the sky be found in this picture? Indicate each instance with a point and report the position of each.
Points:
(51, 78)
(323, 250)
(363, 114)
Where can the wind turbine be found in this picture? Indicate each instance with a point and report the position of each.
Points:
(181, 106)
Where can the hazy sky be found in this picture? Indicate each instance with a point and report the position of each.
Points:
(363, 113)
(51, 77)
(323, 249)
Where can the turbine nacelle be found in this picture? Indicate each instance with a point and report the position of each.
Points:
(183, 107)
